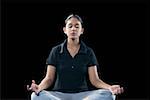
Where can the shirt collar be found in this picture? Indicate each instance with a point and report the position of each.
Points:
(83, 47)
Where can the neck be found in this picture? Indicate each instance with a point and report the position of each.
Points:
(73, 42)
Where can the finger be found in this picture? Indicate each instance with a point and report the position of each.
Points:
(119, 91)
(33, 81)
(117, 86)
(115, 91)
(122, 90)
(28, 88)
(34, 85)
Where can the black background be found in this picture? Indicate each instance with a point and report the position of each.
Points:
(118, 31)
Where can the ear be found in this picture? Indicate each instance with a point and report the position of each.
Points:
(82, 30)
(64, 29)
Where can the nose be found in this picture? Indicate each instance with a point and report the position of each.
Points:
(73, 28)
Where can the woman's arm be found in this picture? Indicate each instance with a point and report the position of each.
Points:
(97, 82)
(49, 78)
(46, 82)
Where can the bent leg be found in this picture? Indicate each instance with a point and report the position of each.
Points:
(101, 94)
(44, 95)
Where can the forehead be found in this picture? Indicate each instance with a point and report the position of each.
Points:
(73, 21)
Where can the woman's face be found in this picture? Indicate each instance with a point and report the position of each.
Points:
(73, 28)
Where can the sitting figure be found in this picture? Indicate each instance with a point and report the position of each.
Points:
(69, 65)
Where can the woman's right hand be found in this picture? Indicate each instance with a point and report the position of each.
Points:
(34, 87)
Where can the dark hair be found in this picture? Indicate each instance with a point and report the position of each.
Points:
(74, 16)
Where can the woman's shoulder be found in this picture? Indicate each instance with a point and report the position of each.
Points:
(87, 46)
(57, 47)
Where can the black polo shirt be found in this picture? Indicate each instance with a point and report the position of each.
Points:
(71, 72)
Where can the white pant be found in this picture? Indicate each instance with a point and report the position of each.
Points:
(100, 94)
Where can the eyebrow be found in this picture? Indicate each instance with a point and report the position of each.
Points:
(71, 24)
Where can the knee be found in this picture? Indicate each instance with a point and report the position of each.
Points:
(104, 92)
(34, 96)
(107, 94)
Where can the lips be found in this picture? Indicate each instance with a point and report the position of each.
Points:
(73, 33)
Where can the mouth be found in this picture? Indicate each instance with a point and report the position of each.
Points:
(73, 33)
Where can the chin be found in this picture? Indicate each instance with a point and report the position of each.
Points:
(73, 37)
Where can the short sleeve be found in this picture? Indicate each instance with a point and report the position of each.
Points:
(52, 58)
(92, 58)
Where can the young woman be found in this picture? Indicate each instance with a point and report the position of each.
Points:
(69, 66)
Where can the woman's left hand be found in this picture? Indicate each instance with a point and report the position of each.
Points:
(116, 89)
